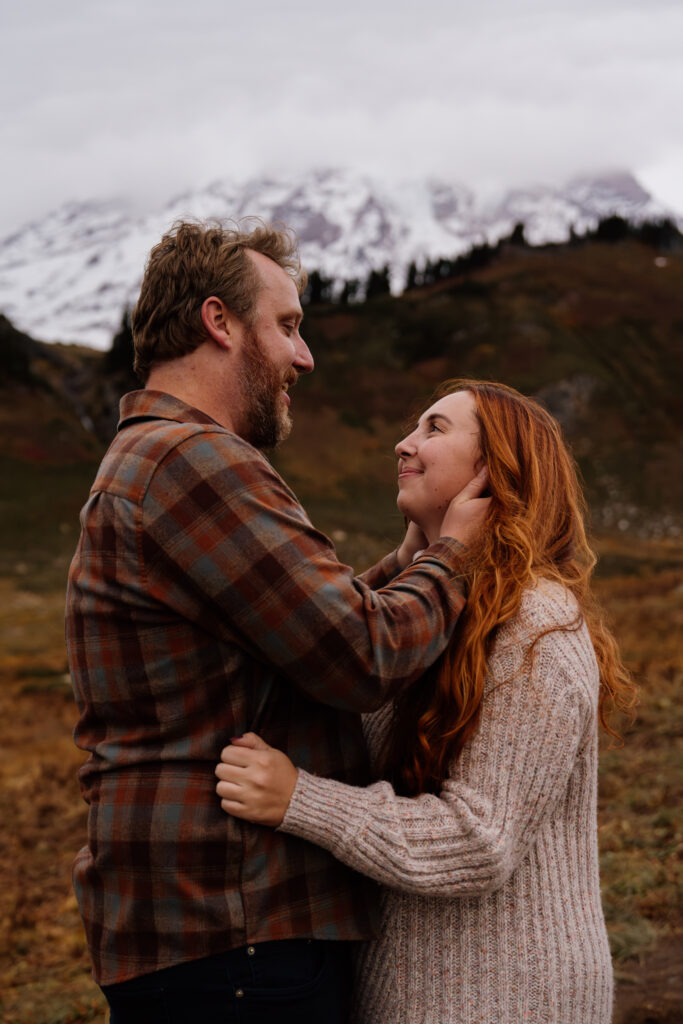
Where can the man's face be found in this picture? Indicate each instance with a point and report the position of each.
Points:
(273, 354)
(266, 418)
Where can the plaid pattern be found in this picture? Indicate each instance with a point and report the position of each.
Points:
(202, 604)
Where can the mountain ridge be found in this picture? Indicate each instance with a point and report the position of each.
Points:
(594, 331)
(70, 276)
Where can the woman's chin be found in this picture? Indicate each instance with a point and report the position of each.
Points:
(403, 505)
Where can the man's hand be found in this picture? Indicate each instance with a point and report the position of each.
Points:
(413, 542)
(256, 781)
(467, 511)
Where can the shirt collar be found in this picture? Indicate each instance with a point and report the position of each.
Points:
(157, 405)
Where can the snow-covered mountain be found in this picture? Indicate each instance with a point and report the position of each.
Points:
(70, 276)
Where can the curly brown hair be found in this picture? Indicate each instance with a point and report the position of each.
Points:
(193, 261)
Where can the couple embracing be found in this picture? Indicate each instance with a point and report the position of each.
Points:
(208, 620)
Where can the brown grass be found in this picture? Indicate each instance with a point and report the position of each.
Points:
(44, 968)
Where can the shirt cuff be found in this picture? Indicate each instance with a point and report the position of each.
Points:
(446, 550)
(384, 572)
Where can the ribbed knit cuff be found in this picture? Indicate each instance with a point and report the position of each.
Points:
(318, 811)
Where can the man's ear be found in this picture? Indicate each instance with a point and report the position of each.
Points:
(218, 323)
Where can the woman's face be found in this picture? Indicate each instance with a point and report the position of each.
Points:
(437, 460)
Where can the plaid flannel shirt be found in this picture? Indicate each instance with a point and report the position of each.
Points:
(202, 604)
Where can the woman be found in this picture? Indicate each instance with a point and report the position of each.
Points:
(484, 832)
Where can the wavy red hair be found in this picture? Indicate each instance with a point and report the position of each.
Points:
(535, 530)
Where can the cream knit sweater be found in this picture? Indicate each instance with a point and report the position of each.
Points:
(491, 911)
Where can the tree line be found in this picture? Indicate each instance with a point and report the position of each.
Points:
(662, 235)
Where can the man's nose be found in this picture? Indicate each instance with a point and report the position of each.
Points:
(303, 360)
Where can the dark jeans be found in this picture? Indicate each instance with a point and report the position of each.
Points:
(306, 981)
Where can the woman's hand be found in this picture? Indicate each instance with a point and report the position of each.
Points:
(256, 781)
(468, 510)
(413, 542)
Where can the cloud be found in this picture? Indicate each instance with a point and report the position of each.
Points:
(144, 99)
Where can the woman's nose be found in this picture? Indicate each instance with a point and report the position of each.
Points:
(405, 447)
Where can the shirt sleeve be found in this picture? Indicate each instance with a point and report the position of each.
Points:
(224, 542)
(470, 838)
(384, 572)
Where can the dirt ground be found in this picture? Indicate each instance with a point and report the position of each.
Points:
(44, 969)
(652, 992)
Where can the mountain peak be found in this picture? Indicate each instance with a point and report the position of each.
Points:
(70, 276)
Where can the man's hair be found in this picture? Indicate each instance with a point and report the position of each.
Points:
(193, 261)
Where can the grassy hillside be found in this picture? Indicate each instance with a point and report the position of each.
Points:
(597, 333)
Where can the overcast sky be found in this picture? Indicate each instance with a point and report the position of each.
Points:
(143, 98)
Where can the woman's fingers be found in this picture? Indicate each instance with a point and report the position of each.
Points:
(241, 757)
(473, 487)
(467, 512)
(413, 542)
(250, 739)
(233, 808)
(251, 770)
(229, 791)
(230, 773)
(255, 783)
(247, 745)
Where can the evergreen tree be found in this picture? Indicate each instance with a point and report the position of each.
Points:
(517, 236)
(349, 292)
(378, 283)
(318, 289)
(612, 229)
(411, 279)
(662, 234)
(429, 273)
(574, 238)
(480, 256)
(122, 353)
(16, 352)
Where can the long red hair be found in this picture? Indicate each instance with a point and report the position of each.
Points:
(535, 530)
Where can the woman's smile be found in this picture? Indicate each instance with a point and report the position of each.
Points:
(437, 459)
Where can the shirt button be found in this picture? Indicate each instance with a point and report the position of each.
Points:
(250, 950)
(239, 993)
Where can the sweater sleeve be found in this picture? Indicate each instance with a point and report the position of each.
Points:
(470, 838)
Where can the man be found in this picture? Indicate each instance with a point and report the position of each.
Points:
(202, 604)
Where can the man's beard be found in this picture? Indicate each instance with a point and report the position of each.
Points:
(265, 418)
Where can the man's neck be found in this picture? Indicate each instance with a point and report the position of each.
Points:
(182, 379)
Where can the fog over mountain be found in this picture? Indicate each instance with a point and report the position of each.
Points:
(69, 276)
(144, 100)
